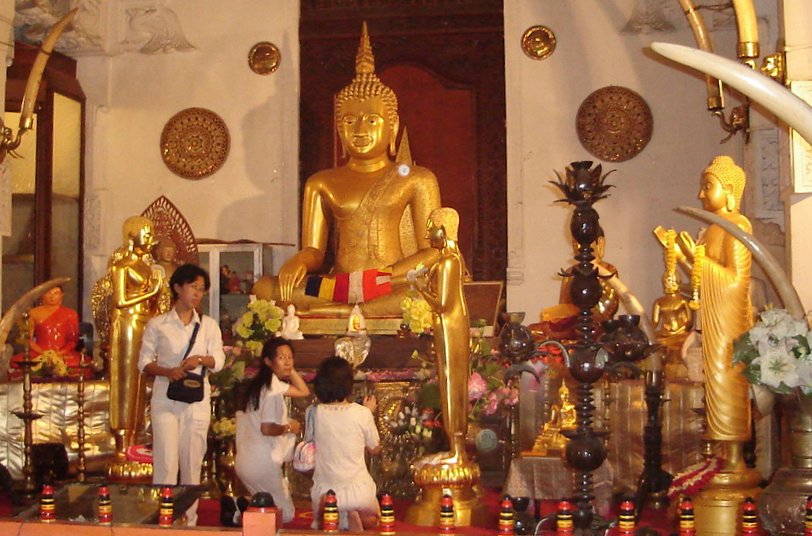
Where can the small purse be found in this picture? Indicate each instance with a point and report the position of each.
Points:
(304, 454)
(189, 388)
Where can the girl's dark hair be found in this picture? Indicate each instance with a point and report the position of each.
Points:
(187, 273)
(333, 381)
(265, 373)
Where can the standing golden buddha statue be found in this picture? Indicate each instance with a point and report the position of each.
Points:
(368, 200)
(442, 288)
(129, 296)
(720, 268)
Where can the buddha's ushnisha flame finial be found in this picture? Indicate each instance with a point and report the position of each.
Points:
(364, 60)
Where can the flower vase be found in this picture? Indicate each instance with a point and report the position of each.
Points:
(782, 504)
(515, 339)
(226, 461)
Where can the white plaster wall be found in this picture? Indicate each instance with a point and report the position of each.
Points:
(130, 98)
(543, 99)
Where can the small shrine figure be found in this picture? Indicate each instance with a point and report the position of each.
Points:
(166, 255)
(562, 417)
(290, 325)
(354, 347)
(671, 315)
(55, 331)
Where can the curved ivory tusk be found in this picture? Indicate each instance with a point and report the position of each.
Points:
(630, 302)
(38, 68)
(702, 37)
(748, 29)
(772, 269)
(791, 109)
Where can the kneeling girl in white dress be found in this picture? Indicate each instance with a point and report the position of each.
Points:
(343, 431)
(265, 434)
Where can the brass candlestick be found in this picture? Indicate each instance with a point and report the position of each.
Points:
(27, 414)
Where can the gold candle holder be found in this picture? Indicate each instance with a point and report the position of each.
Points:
(27, 414)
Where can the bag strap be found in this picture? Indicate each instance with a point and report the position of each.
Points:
(192, 343)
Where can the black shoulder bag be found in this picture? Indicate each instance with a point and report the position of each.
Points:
(189, 388)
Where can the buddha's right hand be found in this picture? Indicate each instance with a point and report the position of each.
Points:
(290, 276)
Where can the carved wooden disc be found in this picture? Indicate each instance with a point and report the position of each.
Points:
(195, 143)
(614, 123)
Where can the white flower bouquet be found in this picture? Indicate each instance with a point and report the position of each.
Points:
(776, 353)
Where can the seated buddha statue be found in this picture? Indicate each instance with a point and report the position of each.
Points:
(165, 253)
(363, 201)
(671, 315)
(609, 302)
(53, 328)
(562, 417)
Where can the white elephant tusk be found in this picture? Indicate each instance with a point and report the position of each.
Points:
(790, 108)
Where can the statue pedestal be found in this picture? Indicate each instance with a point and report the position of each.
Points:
(717, 508)
(456, 479)
(387, 352)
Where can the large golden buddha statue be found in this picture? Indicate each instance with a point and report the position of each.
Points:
(365, 201)
(720, 268)
(127, 297)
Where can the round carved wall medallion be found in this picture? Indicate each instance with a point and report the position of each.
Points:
(538, 42)
(614, 123)
(195, 143)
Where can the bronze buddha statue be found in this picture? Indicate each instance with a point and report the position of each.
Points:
(366, 201)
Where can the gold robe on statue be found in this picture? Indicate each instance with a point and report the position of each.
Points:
(725, 315)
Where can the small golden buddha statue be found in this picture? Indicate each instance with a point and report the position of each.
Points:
(364, 201)
(562, 417)
(671, 315)
(609, 301)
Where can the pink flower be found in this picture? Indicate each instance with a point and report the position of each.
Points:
(513, 397)
(492, 405)
(477, 388)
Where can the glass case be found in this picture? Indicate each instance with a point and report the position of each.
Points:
(234, 267)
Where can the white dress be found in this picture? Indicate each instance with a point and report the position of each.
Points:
(260, 457)
(342, 433)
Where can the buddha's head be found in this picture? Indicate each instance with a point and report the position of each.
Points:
(366, 109)
(166, 250)
(53, 296)
(443, 225)
(137, 231)
(722, 185)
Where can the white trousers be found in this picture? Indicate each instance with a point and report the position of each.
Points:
(259, 473)
(179, 432)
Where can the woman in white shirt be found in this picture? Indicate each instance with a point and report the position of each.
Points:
(180, 429)
(265, 433)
